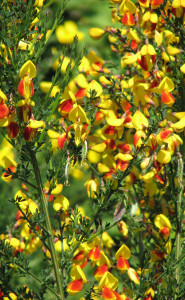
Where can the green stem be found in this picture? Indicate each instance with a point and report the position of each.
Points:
(174, 266)
(58, 276)
(82, 236)
(141, 248)
(178, 208)
(34, 277)
(31, 224)
(101, 231)
(27, 182)
(26, 272)
(57, 21)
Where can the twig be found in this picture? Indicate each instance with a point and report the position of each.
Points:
(58, 276)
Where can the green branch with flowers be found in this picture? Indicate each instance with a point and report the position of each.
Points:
(94, 152)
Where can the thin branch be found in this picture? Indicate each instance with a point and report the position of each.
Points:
(58, 276)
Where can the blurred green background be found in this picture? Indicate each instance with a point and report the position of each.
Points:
(87, 14)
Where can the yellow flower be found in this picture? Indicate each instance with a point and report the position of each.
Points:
(133, 275)
(66, 33)
(161, 221)
(7, 155)
(60, 202)
(139, 121)
(164, 156)
(96, 33)
(123, 251)
(109, 281)
(107, 240)
(94, 86)
(92, 186)
(28, 69)
(123, 228)
(45, 87)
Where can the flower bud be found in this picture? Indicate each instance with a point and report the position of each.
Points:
(92, 187)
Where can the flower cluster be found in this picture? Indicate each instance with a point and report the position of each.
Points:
(97, 256)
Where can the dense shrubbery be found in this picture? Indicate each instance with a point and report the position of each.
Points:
(70, 117)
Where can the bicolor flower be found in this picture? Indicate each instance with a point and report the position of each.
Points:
(164, 225)
(122, 256)
(79, 280)
(4, 110)
(26, 73)
(103, 265)
(30, 131)
(95, 251)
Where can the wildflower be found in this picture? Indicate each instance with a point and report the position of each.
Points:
(96, 33)
(162, 222)
(79, 280)
(66, 33)
(92, 186)
(4, 110)
(108, 281)
(30, 131)
(95, 253)
(122, 256)
(94, 86)
(25, 87)
(133, 275)
(122, 226)
(60, 202)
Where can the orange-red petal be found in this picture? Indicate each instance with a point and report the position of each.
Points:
(25, 88)
(94, 254)
(74, 287)
(165, 133)
(125, 148)
(65, 107)
(122, 165)
(4, 111)
(110, 130)
(156, 3)
(128, 19)
(80, 93)
(108, 294)
(122, 264)
(61, 141)
(167, 98)
(100, 271)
